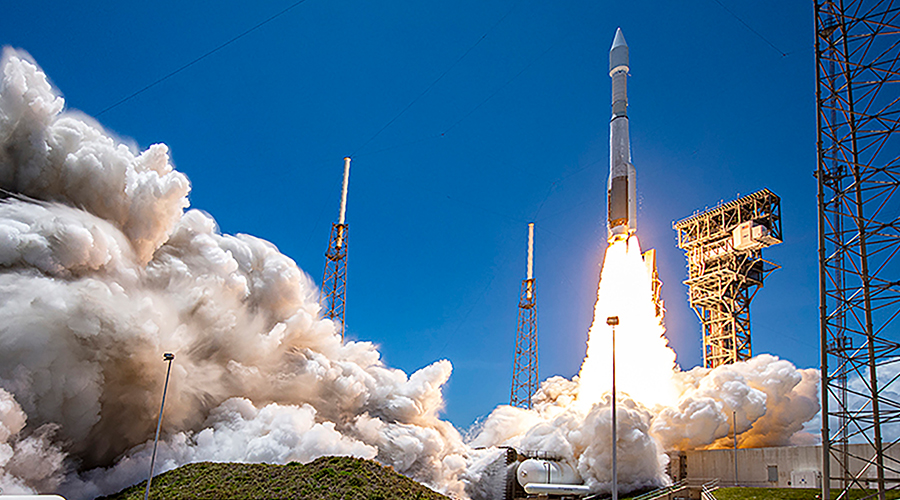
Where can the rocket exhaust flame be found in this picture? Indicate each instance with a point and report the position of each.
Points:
(102, 269)
(645, 362)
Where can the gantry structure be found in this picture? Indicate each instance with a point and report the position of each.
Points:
(858, 175)
(525, 360)
(726, 268)
(334, 280)
(655, 284)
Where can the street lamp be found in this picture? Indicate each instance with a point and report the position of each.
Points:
(613, 321)
(168, 357)
(734, 434)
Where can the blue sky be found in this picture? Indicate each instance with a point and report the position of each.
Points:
(516, 131)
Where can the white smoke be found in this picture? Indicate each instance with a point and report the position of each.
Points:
(102, 270)
(770, 397)
(767, 398)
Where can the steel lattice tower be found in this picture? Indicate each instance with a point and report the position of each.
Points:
(525, 362)
(724, 247)
(334, 280)
(858, 106)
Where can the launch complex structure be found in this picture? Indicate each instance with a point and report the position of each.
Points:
(857, 55)
(724, 247)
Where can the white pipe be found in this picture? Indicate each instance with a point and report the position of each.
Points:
(530, 250)
(344, 191)
(529, 292)
(556, 489)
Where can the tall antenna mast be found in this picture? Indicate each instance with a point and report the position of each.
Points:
(334, 281)
(525, 361)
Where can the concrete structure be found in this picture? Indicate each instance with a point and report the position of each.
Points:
(780, 467)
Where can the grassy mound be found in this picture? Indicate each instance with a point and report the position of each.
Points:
(326, 478)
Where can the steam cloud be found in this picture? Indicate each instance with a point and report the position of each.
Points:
(102, 269)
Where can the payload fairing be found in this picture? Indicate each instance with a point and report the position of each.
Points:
(622, 188)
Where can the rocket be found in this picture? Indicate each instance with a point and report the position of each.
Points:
(622, 188)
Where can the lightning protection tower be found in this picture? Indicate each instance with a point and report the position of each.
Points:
(525, 362)
(334, 281)
(724, 247)
(858, 175)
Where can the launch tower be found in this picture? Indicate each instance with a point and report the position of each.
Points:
(724, 247)
(525, 362)
(334, 280)
(858, 174)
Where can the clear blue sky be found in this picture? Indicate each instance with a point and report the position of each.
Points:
(438, 222)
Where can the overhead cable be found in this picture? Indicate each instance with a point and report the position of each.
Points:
(204, 56)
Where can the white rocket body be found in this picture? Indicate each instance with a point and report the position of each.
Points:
(622, 187)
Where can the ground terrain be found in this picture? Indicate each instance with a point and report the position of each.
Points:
(790, 494)
(327, 478)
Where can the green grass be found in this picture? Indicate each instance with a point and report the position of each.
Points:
(327, 478)
(788, 494)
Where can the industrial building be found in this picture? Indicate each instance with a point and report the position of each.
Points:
(777, 467)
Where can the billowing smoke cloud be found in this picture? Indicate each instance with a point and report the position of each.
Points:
(770, 397)
(767, 398)
(102, 270)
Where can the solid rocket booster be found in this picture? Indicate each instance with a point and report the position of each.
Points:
(622, 188)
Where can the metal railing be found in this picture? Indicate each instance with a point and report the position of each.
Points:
(665, 490)
(707, 489)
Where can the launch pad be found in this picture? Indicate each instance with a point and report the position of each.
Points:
(724, 247)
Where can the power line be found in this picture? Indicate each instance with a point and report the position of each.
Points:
(493, 94)
(435, 82)
(204, 56)
(399, 145)
(783, 54)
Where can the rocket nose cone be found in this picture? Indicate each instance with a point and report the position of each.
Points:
(619, 40)
(618, 53)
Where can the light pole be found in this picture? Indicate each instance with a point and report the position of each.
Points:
(613, 321)
(168, 357)
(734, 433)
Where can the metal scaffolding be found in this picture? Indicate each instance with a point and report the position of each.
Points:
(858, 174)
(334, 279)
(723, 247)
(525, 361)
